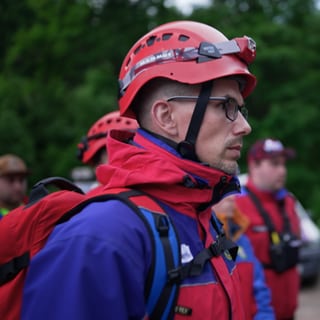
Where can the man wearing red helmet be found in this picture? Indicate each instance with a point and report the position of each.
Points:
(92, 149)
(274, 227)
(185, 83)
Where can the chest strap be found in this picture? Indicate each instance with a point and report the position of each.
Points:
(195, 267)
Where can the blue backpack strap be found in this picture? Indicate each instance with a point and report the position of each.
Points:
(160, 293)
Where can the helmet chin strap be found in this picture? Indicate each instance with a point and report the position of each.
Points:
(187, 147)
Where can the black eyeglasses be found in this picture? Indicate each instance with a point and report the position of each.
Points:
(230, 105)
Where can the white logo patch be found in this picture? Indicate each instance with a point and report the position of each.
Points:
(186, 254)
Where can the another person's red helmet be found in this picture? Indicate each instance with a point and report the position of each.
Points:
(185, 51)
(95, 140)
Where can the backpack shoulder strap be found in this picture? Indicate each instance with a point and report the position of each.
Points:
(161, 294)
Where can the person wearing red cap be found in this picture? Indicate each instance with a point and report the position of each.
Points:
(274, 227)
(13, 182)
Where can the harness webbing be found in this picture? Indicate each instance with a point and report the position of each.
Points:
(195, 267)
(266, 217)
(274, 236)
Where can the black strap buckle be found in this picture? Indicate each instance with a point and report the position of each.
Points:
(162, 225)
(175, 275)
(215, 248)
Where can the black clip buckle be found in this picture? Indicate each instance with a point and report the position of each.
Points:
(215, 248)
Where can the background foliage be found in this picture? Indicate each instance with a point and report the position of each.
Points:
(59, 61)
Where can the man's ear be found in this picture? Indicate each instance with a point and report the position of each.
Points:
(164, 118)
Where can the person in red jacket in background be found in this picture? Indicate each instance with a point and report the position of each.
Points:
(256, 295)
(274, 225)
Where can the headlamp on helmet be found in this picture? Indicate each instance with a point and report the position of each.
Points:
(244, 48)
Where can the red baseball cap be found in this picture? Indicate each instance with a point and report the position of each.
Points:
(269, 148)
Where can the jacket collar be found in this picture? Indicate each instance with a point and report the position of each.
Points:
(144, 162)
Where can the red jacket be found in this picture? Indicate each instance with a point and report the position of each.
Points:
(284, 286)
(183, 186)
(96, 264)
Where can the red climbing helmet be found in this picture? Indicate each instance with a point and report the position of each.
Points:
(184, 51)
(95, 138)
